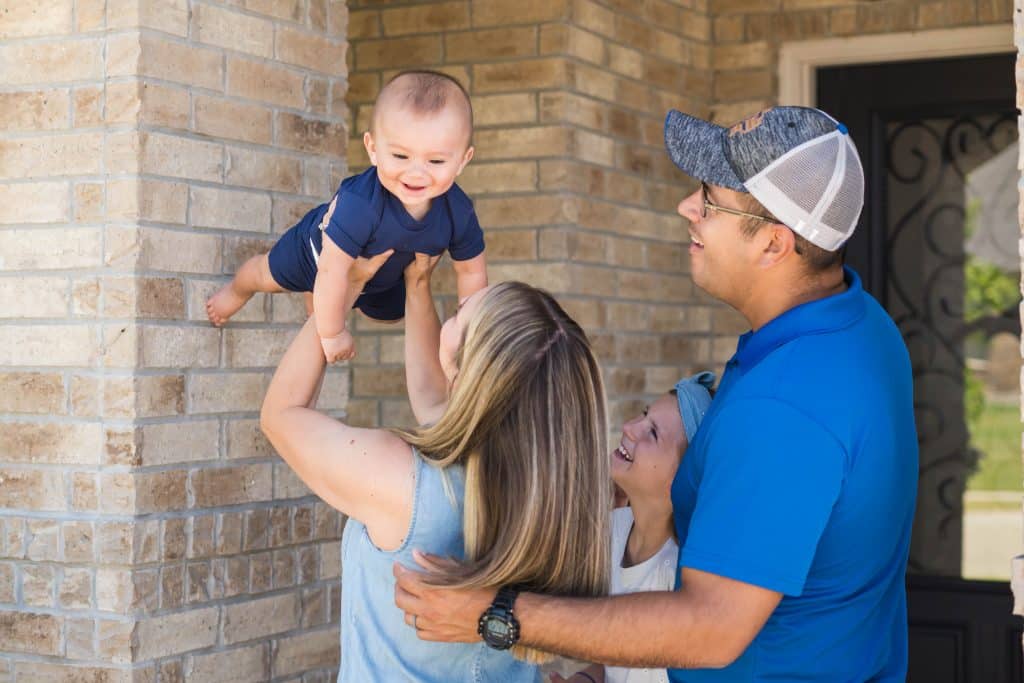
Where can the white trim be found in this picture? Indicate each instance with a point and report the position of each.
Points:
(799, 60)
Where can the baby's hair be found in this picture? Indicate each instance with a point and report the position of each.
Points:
(425, 92)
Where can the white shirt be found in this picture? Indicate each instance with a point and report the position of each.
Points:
(658, 573)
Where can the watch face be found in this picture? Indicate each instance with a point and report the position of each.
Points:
(497, 628)
(498, 632)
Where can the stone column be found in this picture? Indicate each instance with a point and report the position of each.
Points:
(570, 179)
(147, 531)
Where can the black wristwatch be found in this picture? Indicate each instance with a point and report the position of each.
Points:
(498, 625)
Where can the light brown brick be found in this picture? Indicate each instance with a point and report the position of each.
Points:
(500, 13)
(52, 155)
(42, 202)
(32, 392)
(115, 643)
(158, 249)
(521, 75)
(83, 491)
(518, 143)
(75, 589)
(38, 110)
(224, 28)
(264, 82)
(178, 347)
(245, 440)
(87, 106)
(484, 178)
(255, 348)
(471, 46)
(43, 18)
(169, 16)
(306, 651)
(237, 665)
(89, 15)
(311, 135)
(290, 10)
(153, 200)
(236, 391)
(7, 587)
(432, 18)
(311, 51)
(747, 55)
(164, 444)
(51, 62)
(163, 105)
(38, 583)
(172, 633)
(260, 618)
(395, 53)
(85, 297)
(188, 64)
(233, 210)
(230, 485)
(287, 484)
(31, 489)
(51, 443)
(31, 633)
(170, 155)
(263, 170)
(491, 110)
(34, 297)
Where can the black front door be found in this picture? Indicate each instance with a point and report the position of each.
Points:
(937, 246)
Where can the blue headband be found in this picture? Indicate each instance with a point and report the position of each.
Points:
(694, 397)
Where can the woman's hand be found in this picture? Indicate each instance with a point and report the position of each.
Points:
(364, 268)
(419, 270)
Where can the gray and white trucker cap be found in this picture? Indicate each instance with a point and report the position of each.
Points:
(799, 162)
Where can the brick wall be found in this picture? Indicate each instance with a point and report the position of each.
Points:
(570, 179)
(147, 531)
(748, 33)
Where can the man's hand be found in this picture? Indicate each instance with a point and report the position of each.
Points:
(339, 347)
(443, 614)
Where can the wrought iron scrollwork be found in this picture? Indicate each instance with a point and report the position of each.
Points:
(927, 166)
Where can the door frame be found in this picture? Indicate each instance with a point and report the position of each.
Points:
(799, 60)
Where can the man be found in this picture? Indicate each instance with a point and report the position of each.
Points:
(793, 504)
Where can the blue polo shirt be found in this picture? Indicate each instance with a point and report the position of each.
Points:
(802, 480)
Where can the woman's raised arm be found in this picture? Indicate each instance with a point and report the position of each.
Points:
(424, 378)
(365, 473)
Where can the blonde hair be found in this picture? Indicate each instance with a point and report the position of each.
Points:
(527, 417)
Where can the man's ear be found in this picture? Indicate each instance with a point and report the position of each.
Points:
(371, 147)
(779, 241)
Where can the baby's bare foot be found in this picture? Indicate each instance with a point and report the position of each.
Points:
(224, 304)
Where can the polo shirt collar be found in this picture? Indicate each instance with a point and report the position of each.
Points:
(814, 317)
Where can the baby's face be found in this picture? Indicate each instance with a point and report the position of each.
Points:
(652, 445)
(418, 156)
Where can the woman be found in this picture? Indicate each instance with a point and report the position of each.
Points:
(503, 474)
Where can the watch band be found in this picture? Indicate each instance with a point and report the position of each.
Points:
(505, 598)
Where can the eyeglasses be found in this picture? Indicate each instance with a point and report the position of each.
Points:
(707, 204)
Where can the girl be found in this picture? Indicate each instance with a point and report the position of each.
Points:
(645, 554)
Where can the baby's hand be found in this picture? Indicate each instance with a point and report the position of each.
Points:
(339, 347)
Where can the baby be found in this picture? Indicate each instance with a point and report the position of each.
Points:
(407, 201)
(645, 554)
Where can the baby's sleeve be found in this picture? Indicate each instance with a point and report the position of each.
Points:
(349, 222)
(467, 237)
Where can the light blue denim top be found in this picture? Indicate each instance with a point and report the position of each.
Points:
(376, 643)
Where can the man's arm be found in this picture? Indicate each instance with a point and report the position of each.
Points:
(706, 624)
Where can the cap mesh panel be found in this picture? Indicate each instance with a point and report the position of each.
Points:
(845, 207)
(804, 177)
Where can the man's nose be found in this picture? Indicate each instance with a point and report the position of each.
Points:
(690, 207)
